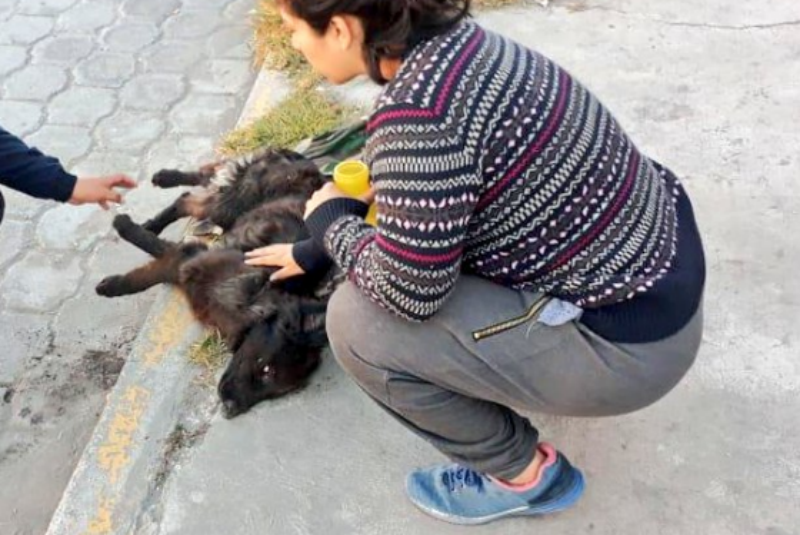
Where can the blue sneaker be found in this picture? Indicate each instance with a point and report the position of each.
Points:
(460, 495)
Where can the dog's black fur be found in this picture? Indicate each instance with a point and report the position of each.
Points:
(276, 331)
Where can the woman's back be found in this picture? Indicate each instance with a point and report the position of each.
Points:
(488, 157)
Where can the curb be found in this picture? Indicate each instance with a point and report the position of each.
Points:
(114, 475)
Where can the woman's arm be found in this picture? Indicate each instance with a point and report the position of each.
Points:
(408, 264)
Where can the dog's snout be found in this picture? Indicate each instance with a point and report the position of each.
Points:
(230, 409)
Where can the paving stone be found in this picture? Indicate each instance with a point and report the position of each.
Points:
(130, 36)
(191, 24)
(23, 336)
(222, 75)
(146, 201)
(105, 69)
(112, 319)
(40, 281)
(230, 42)
(64, 50)
(91, 322)
(72, 228)
(199, 113)
(35, 82)
(129, 131)
(183, 152)
(240, 10)
(172, 57)
(88, 16)
(6, 10)
(11, 58)
(153, 10)
(21, 206)
(216, 5)
(13, 237)
(24, 30)
(99, 163)
(64, 142)
(20, 117)
(81, 106)
(44, 7)
(113, 54)
(152, 92)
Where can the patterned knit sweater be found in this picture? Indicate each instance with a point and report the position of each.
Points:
(488, 158)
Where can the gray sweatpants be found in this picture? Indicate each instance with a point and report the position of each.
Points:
(458, 393)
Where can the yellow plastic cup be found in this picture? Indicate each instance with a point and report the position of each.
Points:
(352, 177)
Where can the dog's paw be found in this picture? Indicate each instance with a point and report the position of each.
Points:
(112, 286)
(167, 178)
(122, 222)
(150, 226)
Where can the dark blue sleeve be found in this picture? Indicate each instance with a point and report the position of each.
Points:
(311, 256)
(27, 170)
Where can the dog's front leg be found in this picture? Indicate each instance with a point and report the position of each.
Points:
(172, 178)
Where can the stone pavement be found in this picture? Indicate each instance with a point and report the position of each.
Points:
(105, 85)
(710, 89)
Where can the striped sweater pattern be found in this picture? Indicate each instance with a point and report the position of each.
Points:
(488, 158)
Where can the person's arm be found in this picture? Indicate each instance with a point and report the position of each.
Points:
(408, 264)
(27, 170)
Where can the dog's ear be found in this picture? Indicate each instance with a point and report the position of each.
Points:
(310, 306)
(313, 333)
(317, 338)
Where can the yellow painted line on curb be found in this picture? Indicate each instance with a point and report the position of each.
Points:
(171, 324)
(101, 524)
(114, 454)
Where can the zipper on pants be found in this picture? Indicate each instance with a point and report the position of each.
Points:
(497, 328)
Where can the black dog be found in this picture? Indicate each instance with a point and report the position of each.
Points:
(276, 331)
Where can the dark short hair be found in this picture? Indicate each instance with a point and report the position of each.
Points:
(391, 27)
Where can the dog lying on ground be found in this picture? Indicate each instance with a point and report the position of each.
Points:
(276, 331)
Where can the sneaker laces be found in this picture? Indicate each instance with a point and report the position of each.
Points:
(460, 477)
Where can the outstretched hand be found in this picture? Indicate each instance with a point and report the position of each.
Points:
(100, 190)
(276, 255)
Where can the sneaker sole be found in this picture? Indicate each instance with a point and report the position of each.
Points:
(563, 502)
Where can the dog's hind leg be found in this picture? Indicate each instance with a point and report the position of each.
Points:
(172, 178)
(141, 237)
(159, 271)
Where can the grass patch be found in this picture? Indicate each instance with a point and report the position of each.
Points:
(210, 355)
(305, 113)
(271, 41)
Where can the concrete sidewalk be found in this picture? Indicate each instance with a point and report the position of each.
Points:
(710, 90)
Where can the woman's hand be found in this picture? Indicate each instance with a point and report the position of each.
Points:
(325, 193)
(276, 255)
(330, 191)
(100, 190)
